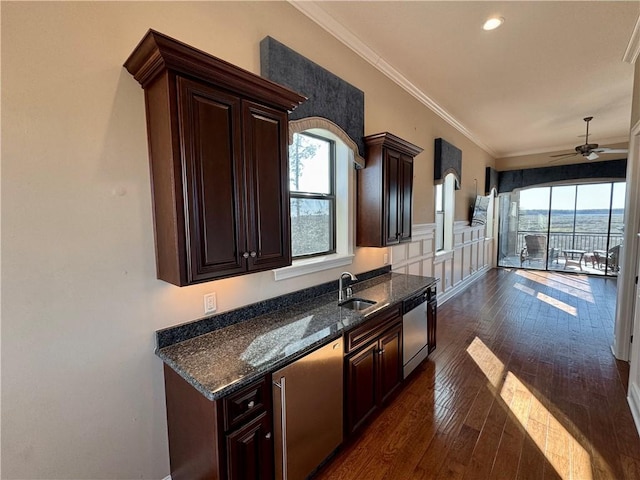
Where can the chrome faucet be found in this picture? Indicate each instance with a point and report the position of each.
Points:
(341, 294)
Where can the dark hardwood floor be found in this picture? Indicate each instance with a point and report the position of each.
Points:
(523, 385)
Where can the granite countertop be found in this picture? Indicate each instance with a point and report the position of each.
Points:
(222, 361)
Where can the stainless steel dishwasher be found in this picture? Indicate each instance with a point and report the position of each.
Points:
(307, 411)
(415, 329)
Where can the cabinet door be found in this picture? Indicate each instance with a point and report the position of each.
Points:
(392, 178)
(432, 324)
(250, 451)
(361, 386)
(209, 122)
(390, 362)
(267, 179)
(405, 191)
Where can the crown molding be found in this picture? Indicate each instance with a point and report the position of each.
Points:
(332, 26)
(633, 48)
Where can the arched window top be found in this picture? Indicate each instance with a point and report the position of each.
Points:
(308, 123)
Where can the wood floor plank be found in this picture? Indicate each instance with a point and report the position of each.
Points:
(522, 386)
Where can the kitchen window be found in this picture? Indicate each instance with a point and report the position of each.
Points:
(313, 199)
(322, 188)
(444, 208)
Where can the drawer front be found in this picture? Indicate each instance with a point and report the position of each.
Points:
(245, 403)
(362, 334)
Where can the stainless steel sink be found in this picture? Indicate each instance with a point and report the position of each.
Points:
(357, 303)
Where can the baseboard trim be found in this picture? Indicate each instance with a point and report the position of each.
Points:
(168, 477)
(633, 399)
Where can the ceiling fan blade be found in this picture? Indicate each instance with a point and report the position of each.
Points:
(611, 150)
(564, 155)
(560, 158)
(592, 156)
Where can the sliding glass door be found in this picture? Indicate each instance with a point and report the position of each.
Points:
(568, 228)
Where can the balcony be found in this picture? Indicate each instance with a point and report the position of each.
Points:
(559, 257)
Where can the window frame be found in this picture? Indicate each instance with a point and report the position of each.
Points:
(445, 230)
(347, 160)
(331, 197)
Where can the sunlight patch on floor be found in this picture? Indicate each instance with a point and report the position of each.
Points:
(525, 289)
(554, 302)
(566, 455)
(574, 285)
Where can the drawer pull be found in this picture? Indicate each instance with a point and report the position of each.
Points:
(251, 404)
(268, 436)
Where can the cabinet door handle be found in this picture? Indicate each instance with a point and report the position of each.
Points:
(253, 254)
(268, 436)
(245, 255)
(381, 351)
(251, 404)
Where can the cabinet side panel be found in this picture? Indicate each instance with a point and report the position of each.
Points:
(164, 155)
(391, 218)
(369, 200)
(406, 195)
(192, 427)
(268, 186)
(210, 127)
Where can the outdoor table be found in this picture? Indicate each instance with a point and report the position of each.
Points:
(570, 255)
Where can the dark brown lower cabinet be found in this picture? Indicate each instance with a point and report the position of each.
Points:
(226, 439)
(249, 451)
(390, 362)
(373, 371)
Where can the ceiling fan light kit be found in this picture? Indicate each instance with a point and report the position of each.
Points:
(492, 23)
(590, 150)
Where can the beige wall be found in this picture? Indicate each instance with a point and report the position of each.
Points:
(82, 391)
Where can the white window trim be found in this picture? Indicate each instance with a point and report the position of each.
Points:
(345, 216)
(312, 265)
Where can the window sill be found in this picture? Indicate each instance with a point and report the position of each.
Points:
(312, 265)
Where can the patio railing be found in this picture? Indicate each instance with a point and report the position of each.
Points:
(575, 241)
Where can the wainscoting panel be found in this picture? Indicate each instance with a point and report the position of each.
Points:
(455, 269)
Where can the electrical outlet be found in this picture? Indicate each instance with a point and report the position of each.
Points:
(385, 258)
(210, 303)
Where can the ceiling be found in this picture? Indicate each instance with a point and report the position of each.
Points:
(521, 89)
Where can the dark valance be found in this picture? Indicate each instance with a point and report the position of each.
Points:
(490, 180)
(448, 159)
(328, 96)
(514, 179)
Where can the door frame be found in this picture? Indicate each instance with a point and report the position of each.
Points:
(626, 291)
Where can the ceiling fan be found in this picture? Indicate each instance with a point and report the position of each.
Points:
(590, 150)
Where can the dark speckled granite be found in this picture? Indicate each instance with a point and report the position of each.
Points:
(221, 361)
(180, 333)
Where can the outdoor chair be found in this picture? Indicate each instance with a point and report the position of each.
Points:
(535, 248)
(610, 258)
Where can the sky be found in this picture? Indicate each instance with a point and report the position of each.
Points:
(591, 196)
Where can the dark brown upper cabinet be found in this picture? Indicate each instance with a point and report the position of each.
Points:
(217, 139)
(385, 187)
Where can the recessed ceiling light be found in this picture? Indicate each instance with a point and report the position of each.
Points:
(493, 23)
